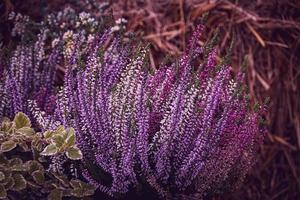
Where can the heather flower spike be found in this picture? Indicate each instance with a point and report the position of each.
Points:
(185, 130)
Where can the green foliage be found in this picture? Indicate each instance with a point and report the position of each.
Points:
(62, 140)
(22, 167)
(21, 120)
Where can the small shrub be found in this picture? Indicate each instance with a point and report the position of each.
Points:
(24, 170)
(184, 130)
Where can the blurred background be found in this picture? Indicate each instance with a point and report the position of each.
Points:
(266, 40)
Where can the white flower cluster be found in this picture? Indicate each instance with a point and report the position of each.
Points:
(120, 24)
(20, 23)
(126, 90)
(63, 19)
(54, 42)
(68, 19)
(68, 35)
(85, 19)
(3, 98)
(91, 38)
(40, 44)
(232, 87)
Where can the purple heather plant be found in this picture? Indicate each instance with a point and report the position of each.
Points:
(26, 75)
(185, 130)
(29, 71)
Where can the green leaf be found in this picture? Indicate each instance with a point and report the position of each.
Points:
(21, 120)
(62, 179)
(6, 126)
(3, 193)
(75, 184)
(2, 176)
(50, 150)
(38, 176)
(77, 193)
(70, 141)
(74, 153)
(58, 140)
(59, 130)
(9, 183)
(33, 185)
(69, 132)
(8, 146)
(36, 141)
(82, 193)
(55, 194)
(19, 168)
(38, 146)
(24, 146)
(27, 131)
(15, 161)
(34, 166)
(20, 182)
(48, 134)
(81, 189)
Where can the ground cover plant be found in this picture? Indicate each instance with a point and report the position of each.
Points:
(25, 173)
(184, 130)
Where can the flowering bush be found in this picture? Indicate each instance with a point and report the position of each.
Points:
(185, 130)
